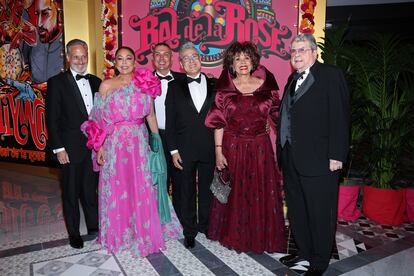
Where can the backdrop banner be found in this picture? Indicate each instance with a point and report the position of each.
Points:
(212, 25)
(31, 51)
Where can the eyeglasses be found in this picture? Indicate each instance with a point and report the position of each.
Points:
(189, 58)
(300, 51)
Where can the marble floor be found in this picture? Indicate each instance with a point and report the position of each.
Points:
(33, 241)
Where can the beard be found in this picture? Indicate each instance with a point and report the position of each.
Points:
(46, 36)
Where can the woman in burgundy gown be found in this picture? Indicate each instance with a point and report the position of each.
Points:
(246, 99)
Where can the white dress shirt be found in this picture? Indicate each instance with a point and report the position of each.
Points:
(159, 102)
(85, 90)
(198, 92)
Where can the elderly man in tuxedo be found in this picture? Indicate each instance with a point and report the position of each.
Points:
(190, 142)
(312, 147)
(68, 102)
(162, 61)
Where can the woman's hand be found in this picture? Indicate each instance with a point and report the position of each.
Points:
(100, 156)
(221, 161)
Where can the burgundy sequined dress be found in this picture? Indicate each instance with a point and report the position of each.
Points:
(252, 220)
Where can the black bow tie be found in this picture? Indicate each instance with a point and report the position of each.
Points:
(78, 77)
(167, 77)
(190, 80)
(298, 76)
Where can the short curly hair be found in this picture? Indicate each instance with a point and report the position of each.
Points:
(247, 48)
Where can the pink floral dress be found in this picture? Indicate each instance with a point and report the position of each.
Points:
(128, 214)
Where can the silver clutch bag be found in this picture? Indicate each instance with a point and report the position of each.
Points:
(220, 186)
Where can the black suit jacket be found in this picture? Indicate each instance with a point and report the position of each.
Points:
(65, 112)
(319, 120)
(178, 75)
(185, 128)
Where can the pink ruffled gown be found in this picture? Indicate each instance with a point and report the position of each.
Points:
(128, 214)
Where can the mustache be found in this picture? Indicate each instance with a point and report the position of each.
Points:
(41, 29)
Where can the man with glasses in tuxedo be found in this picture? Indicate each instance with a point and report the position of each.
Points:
(312, 145)
(190, 142)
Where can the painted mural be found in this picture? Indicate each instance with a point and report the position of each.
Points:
(31, 51)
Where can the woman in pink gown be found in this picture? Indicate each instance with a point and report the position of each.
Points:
(128, 215)
(252, 220)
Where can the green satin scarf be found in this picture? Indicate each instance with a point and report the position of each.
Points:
(158, 167)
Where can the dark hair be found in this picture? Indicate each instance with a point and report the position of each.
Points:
(129, 49)
(248, 48)
(161, 44)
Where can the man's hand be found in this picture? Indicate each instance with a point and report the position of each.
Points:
(177, 161)
(100, 156)
(63, 157)
(335, 165)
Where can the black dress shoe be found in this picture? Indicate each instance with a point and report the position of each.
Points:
(291, 259)
(93, 232)
(314, 272)
(189, 242)
(76, 242)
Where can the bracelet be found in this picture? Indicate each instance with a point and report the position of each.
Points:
(218, 146)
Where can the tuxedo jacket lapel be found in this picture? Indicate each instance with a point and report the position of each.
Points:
(94, 88)
(285, 94)
(305, 86)
(210, 89)
(187, 95)
(177, 75)
(77, 94)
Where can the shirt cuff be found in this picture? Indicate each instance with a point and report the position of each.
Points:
(173, 152)
(58, 150)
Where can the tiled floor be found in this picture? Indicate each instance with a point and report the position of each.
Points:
(33, 242)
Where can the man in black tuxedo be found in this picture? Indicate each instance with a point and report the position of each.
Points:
(161, 55)
(190, 142)
(68, 102)
(312, 147)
